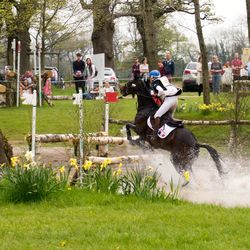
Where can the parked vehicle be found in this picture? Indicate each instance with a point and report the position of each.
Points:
(110, 76)
(189, 77)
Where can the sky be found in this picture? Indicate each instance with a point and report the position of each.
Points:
(229, 10)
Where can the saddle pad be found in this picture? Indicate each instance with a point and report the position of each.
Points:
(164, 131)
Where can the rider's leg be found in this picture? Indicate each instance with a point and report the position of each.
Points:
(169, 103)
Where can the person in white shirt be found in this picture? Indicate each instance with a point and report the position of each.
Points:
(144, 69)
(107, 87)
(90, 72)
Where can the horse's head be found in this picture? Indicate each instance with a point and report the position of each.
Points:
(129, 88)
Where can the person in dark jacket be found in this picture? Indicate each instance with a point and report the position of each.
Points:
(136, 69)
(79, 73)
(169, 66)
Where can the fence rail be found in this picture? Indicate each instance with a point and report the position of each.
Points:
(186, 122)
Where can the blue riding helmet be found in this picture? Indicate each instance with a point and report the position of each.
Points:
(154, 74)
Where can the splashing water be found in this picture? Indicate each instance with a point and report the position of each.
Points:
(206, 186)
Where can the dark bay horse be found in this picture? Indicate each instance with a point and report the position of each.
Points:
(181, 143)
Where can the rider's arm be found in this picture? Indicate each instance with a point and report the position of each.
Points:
(160, 90)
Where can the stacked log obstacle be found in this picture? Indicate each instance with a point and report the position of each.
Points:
(99, 138)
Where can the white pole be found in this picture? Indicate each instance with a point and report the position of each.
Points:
(34, 58)
(33, 141)
(14, 54)
(18, 73)
(39, 75)
(106, 124)
(81, 134)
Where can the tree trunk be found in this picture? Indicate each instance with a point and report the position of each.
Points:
(24, 36)
(203, 49)
(248, 19)
(103, 31)
(146, 28)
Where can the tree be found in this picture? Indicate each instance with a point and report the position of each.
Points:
(17, 17)
(103, 27)
(248, 19)
(203, 49)
(58, 21)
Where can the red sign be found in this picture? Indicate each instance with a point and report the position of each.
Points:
(111, 97)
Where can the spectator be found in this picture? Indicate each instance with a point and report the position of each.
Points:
(236, 65)
(136, 69)
(248, 68)
(107, 87)
(90, 73)
(169, 66)
(199, 75)
(161, 68)
(47, 88)
(216, 71)
(78, 72)
(25, 87)
(227, 78)
(144, 69)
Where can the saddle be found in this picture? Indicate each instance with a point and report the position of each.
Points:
(168, 120)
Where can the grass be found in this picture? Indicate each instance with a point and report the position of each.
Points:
(81, 220)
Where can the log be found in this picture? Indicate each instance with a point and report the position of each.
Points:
(117, 160)
(187, 122)
(60, 97)
(47, 138)
(106, 140)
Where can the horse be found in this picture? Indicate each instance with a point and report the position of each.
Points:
(181, 143)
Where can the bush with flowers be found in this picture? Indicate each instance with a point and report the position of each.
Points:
(25, 180)
(141, 182)
(215, 107)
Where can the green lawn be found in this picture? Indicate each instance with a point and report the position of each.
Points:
(81, 220)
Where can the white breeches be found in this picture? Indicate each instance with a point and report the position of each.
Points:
(89, 84)
(170, 103)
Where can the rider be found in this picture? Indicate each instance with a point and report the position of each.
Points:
(166, 92)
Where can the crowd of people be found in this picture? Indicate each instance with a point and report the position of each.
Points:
(224, 74)
(166, 68)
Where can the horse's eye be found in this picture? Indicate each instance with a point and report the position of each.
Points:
(133, 85)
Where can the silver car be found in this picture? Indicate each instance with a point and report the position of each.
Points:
(189, 77)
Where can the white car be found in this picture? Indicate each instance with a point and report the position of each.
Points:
(110, 76)
(190, 75)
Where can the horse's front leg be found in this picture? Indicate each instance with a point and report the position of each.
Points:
(138, 142)
(129, 126)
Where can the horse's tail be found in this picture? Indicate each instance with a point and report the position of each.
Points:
(215, 156)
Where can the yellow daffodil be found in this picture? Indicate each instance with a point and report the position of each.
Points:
(186, 175)
(87, 165)
(73, 162)
(63, 243)
(119, 172)
(120, 165)
(105, 163)
(29, 156)
(62, 169)
(26, 166)
(14, 161)
(69, 188)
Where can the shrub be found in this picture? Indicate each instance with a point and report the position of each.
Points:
(25, 180)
